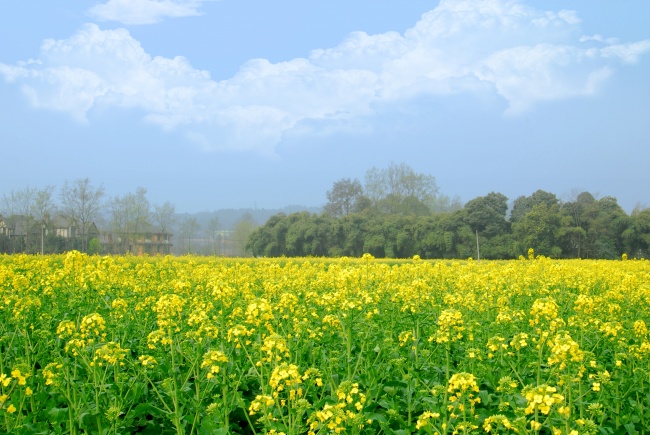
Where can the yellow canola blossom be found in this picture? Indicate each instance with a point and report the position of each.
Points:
(327, 344)
(541, 398)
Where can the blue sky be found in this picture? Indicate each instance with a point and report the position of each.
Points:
(258, 103)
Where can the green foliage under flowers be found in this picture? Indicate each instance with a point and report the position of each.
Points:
(191, 345)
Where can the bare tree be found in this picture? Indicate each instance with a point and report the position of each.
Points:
(189, 227)
(164, 215)
(445, 204)
(130, 215)
(82, 203)
(213, 233)
(141, 211)
(42, 209)
(17, 206)
(243, 229)
(24, 209)
(398, 183)
(344, 198)
(120, 218)
(42, 203)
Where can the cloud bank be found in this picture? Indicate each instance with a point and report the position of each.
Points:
(462, 46)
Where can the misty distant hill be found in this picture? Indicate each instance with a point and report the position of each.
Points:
(229, 217)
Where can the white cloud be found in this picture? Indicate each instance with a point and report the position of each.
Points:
(107, 67)
(628, 53)
(598, 38)
(462, 46)
(144, 11)
(525, 75)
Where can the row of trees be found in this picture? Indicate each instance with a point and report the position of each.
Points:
(398, 213)
(81, 216)
(34, 221)
(29, 217)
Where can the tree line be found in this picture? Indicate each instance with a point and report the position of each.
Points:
(399, 213)
(80, 216)
(396, 213)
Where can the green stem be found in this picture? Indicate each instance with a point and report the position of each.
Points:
(539, 363)
(176, 417)
(514, 370)
(447, 419)
(618, 406)
(155, 390)
(97, 389)
(242, 405)
(348, 348)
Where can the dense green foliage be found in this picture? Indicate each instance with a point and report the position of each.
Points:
(204, 345)
(582, 228)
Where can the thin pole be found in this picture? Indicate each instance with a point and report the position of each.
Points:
(478, 251)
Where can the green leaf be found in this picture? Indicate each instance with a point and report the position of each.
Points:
(210, 426)
(143, 409)
(376, 417)
(58, 415)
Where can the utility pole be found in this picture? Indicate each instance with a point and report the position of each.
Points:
(478, 251)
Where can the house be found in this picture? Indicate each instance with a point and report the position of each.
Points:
(59, 234)
(154, 243)
(13, 229)
(14, 226)
(61, 226)
(149, 243)
(5, 243)
(4, 231)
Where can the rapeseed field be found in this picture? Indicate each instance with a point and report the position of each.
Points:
(195, 345)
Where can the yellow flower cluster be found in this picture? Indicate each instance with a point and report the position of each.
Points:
(460, 383)
(147, 360)
(519, 341)
(496, 344)
(118, 308)
(8, 385)
(259, 312)
(405, 338)
(111, 352)
(93, 325)
(261, 402)
(52, 373)
(158, 336)
(212, 360)
(423, 419)
(285, 376)
(461, 389)
(450, 327)
(498, 424)
(564, 349)
(543, 309)
(169, 309)
(346, 413)
(640, 329)
(541, 398)
(275, 347)
(66, 329)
